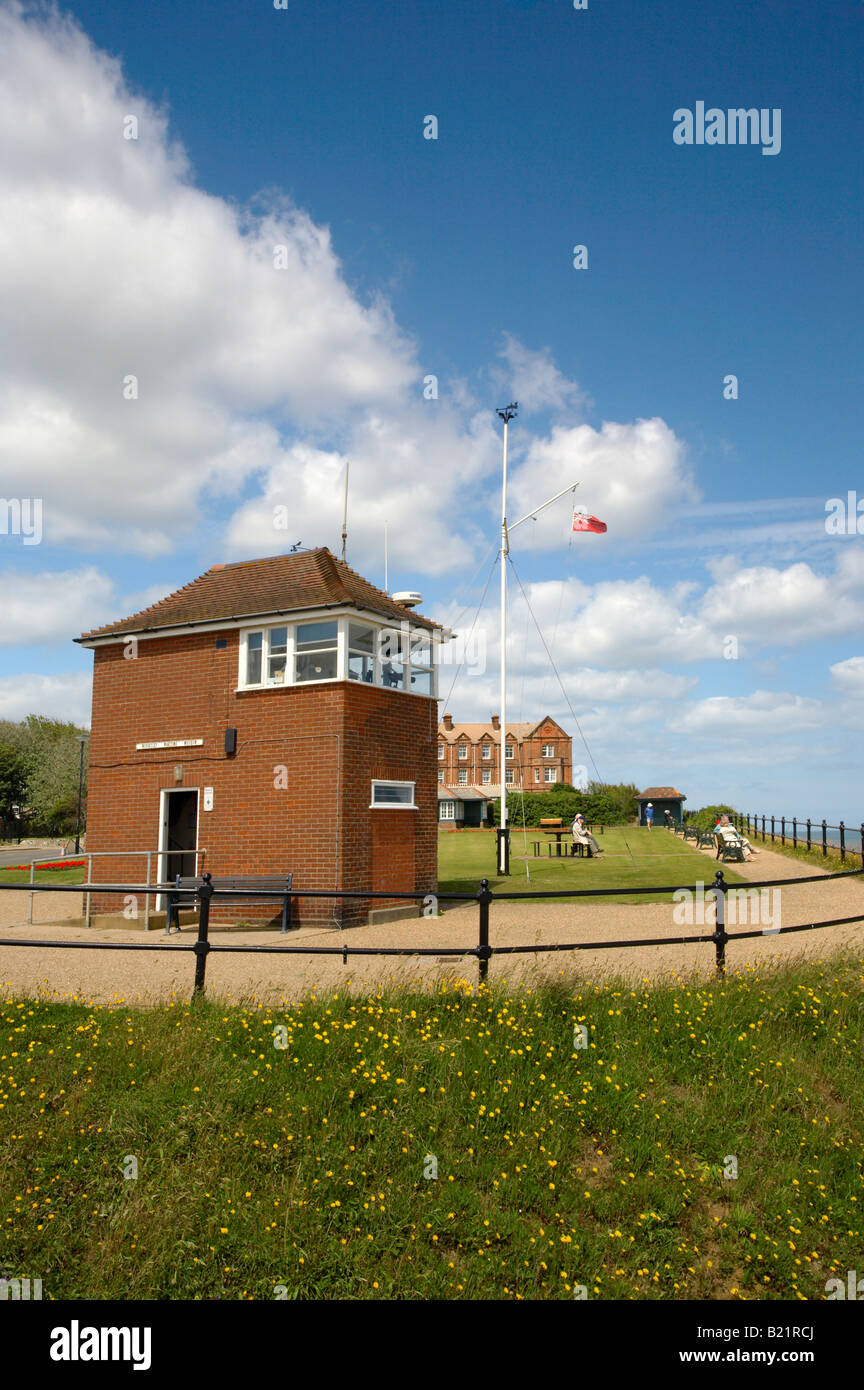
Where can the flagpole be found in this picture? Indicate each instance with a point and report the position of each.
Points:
(507, 413)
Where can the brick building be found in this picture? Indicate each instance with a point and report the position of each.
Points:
(270, 717)
(469, 755)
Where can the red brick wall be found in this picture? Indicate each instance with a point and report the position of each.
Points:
(331, 740)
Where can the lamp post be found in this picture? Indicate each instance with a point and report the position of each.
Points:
(82, 739)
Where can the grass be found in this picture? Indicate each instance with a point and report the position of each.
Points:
(831, 861)
(44, 875)
(634, 857)
(307, 1171)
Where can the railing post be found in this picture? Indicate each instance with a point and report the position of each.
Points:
(763, 830)
(772, 830)
(824, 838)
(720, 936)
(484, 950)
(87, 914)
(147, 895)
(862, 844)
(794, 832)
(782, 830)
(30, 908)
(202, 945)
(842, 830)
(808, 832)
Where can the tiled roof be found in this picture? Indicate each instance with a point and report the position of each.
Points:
(661, 794)
(267, 588)
(463, 794)
(476, 731)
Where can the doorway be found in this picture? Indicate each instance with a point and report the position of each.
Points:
(178, 834)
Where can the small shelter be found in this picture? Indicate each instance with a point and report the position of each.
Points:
(662, 799)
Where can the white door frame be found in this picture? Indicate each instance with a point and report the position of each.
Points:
(162, 858)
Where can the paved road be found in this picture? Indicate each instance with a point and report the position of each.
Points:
(12, 854)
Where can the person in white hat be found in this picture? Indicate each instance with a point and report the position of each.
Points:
(649, 814)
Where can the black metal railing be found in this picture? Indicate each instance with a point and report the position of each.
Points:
(205, 892)
(803, 833)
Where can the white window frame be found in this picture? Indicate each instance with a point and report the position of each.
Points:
(391, 805)
(463, 777)
(446, 810)
(486, 753)
(509, 754)
(463, 753)
(536, 774)
(548, 750)
(550, 774)
(486, 776)
(440, 752)
(343, 624)
(509, 775)
(441, 776)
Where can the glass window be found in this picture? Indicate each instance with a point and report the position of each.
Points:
(420, 648)
(277, 650)
(447, 810)
(508, 776)
(254, 647)
(317, 635)
(550, 774)
(361, 653)
(440, 752)
(536, 774)
(421, 681)
(463, 750)
(316, 657)
(441, 775)
(486, 775)
(463, 776)
(548, 750)
(487, 750)
(509, 751)
(393, 794)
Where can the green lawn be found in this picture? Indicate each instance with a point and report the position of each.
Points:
(44, 875)
(696, 1142)
(633, 857)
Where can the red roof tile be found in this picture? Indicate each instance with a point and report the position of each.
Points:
(261, 589)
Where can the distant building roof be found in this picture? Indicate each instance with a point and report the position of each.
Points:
(518, 732)
(462, 794)
(661, 794)
(254, 589)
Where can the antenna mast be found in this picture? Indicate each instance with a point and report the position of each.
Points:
(345, 515)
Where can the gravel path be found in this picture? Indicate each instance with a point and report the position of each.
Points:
(114, 976)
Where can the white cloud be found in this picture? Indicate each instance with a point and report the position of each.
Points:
(748, 716)
(630, 475)
(113, 263)
(65, 696)
(785, 607)
(533, 379)
(848, 676)
(45, 608)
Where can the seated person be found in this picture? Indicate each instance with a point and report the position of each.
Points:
(732, 836)
(581, 836)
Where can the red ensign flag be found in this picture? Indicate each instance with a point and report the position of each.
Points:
(583, 522)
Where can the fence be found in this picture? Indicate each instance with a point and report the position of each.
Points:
(484, 897)
(147, 854)
(804, 834)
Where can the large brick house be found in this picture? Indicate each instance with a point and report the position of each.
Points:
(271, 716)
(469, 756)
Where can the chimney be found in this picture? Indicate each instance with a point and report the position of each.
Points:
(448, 722)
(496, 722)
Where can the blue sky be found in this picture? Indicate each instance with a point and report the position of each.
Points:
(406, 257)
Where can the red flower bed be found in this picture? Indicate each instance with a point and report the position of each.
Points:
(61, 864)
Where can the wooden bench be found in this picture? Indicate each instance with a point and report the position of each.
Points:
(729, 849)
(185, 890)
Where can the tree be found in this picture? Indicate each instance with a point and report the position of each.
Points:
(48, 752)
(13, 779)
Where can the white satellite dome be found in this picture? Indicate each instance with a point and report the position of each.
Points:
(409, 598)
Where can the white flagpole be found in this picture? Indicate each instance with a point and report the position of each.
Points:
(506, 414)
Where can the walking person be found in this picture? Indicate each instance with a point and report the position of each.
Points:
(649, 814)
